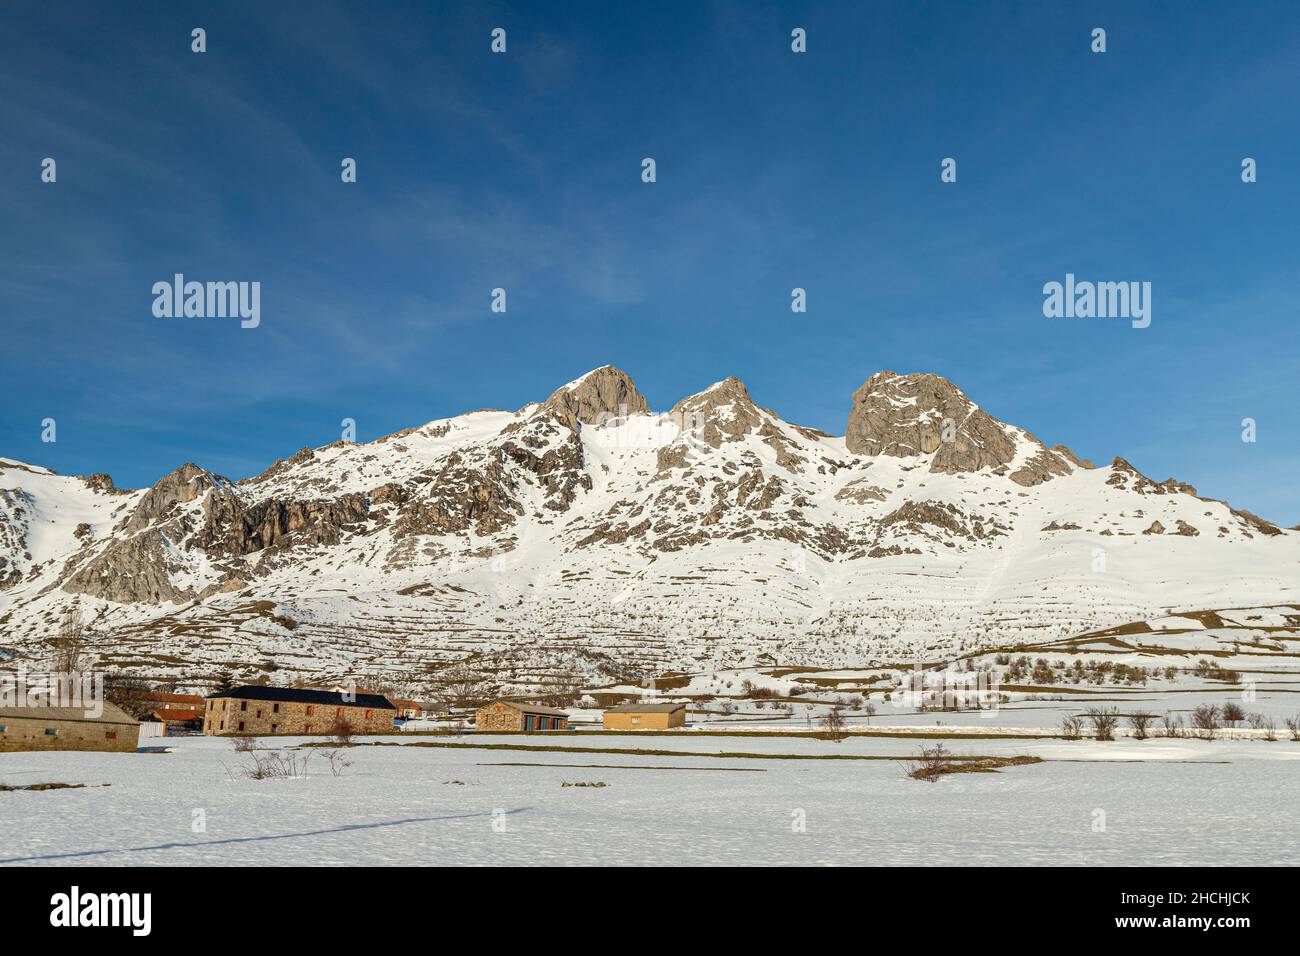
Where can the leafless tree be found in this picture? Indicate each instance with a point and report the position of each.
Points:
(70, 645)
(1072, 727)
(1140, 721)
(1205, 719)
(1233, 714)
(133, 694)
(833, 724)
(1103, 722)
(463, 685)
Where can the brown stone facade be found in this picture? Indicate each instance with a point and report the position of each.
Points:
(234, 715)
(509, 717)
(32, 731)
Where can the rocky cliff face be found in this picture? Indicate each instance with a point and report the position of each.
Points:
(604, 393)
(910, 416)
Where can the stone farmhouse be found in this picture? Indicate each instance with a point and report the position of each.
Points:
(287, 710)
(68, 728)
(509, 716)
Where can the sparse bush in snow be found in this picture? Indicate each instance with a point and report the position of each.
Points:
(1205, 719)
(1072, 727)
(929, 763)
(1103, 722)
(1293, 725)
(342, 730)
(1140, 721)
(833, 724)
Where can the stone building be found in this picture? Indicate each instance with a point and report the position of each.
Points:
(645, 717)
(510, 716)
(68, 728)
(178, 713)
(287, 710)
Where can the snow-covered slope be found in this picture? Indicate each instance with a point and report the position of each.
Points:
(588, 535)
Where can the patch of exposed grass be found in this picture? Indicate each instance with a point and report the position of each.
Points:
(934, 762)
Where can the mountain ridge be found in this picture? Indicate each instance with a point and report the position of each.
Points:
(520, 531)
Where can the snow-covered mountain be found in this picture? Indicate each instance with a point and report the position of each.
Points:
(588, 535)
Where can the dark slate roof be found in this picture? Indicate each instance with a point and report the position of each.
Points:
(295, 695)
(645, 708)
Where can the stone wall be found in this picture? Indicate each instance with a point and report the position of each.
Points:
(501, 717)
(29, 733)
(223, 717)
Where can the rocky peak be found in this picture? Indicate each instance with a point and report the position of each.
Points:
(906, 415)
(722, 412)
(600, 394)
(183, 485)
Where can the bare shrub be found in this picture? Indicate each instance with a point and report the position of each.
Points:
(338, 761)
(1205, 719)
(929, 763)
(1173, 726)
(275, 764)
(1072, 727)
(833, 725)
(244, 743)
(1140, 722)
(1232, 714)
(1293, 726)
(1103, 722)
(342, 731)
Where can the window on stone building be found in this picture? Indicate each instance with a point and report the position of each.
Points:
(241, 725)
(110, 735)
(51, 731)
(243, 705)
(275, 708)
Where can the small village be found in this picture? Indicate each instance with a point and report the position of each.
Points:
(255, 710)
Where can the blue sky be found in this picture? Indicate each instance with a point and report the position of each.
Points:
(522, 171)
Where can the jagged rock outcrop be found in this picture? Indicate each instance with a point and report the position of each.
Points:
(102, 483)
(1043, 466)
(598, 396)
(183, 485)
(905, 415)
(724, 412)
